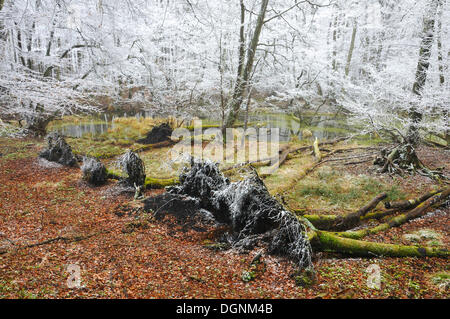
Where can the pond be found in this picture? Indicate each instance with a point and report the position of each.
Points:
(322, 126)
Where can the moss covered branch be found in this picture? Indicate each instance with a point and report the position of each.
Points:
(326, 241)
(401, 219)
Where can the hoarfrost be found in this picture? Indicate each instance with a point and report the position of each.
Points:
(247, 207)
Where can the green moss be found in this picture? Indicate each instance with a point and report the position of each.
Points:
(331, 242)
(151, 182)
(305, 278)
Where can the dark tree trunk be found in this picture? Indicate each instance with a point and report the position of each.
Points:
(422, 70)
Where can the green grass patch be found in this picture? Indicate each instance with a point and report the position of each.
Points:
(331, 189)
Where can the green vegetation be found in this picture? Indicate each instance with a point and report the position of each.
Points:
(330, 189)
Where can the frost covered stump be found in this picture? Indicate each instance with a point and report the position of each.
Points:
(158, 134)
(252, 215)
(94, 171)
(58, 150)
(133, 166)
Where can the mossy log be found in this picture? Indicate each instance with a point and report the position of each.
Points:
(401, 219)
(353, 219)
(150, 182)
(259, 162)
(153, 146)
(329, 222)
(156, 183)
(326, 241)
(326, 222)
(410, 203)
(311, 147)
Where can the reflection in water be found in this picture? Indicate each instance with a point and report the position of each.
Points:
(321, 126)
(79, 129)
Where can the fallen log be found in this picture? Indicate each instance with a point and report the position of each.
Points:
(275, 166)
(152, 146)
(259, 162)
(399, 220)
(338, 222)
(327, 222)
(150, 182)
(353, 219)
(326, 241)
(310, 147)
(410, 203)
(157, 183)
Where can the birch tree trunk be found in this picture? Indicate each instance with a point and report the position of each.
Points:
(244, 72)
(352, 47)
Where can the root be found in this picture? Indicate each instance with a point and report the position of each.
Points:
(403, 159)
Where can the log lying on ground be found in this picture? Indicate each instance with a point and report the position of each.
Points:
(353, 219)
(338, 222)
(153, 146)
(411, 203)
(401, 219)
(282, 157)
(324, 221)
(150, 182)
(157, 183)
(379, 214)
(329, 221)
(327, 241)
(256, 163)
(311, 147)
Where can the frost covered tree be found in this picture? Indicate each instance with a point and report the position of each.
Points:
(35, 44)
(66, 56)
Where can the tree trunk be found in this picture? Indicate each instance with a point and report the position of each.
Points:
(350, 50)
(242, 80)
(439, 45)
(422, 70)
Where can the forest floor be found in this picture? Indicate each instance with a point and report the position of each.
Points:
(121, 256)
